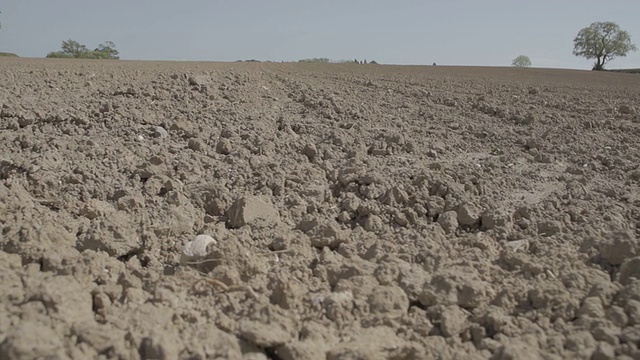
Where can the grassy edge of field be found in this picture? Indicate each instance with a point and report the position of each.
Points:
(5, 54)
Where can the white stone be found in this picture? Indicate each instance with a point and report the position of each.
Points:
(198, 247)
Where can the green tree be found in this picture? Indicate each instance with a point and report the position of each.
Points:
(521, 61)
(73, 49)
(107, 51)
(603, 41)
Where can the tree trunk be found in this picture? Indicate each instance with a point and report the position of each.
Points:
(599, 65)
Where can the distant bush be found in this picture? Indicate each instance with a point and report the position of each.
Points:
(59, 55)
(521, 61)
(315, 60)
(4, 54)
(73, 49)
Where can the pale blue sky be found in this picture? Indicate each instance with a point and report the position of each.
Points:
(455, 32)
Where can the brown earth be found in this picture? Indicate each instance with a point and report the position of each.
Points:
(355, 212)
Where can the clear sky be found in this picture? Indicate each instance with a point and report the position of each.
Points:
(454, 32)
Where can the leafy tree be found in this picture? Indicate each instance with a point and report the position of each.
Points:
(521, 61)
(73, 49)
(107, 51)
(603, 41)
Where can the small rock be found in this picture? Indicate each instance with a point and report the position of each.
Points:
(198, 247)
(105, 107)
(160, 132)
(272, 329)
(579, 340)
(468, 214)
(549, 227)
(606, 334)
(518, 245)
(372, 343)
(529, 119)
(310, 151)
(448, 221)
(248, 209)
(453, 321)
(344, 217)
(617, 316)
(323, 232)
(495, 219)
(227, 133)
(629, 270)
(224, 146)
(516, 351)
(435, 205)
(100, 337)
(32, 340)
(373, 223)
(158, 346)
(534, 143)
(603, 351)
(632, 309)
(350, 204)
(390, 301)
(199, 80)
(196, 145)
(95, 208)
(312, 350)
(455, 287)
(400, 218)
(625, 110)
(592, 307)
(630, 334)
(619, 246)
(114, 233)
(338, 305)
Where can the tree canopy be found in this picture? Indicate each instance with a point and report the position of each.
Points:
(73, 49)
(603, 41)
(521, 61)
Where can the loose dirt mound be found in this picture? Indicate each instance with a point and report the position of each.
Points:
(350, 212)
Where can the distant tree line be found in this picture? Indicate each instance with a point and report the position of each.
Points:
(327, 60)
(364, 61)
(72, 49)
(315, 60)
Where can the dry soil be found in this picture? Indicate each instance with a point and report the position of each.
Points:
(356, 212)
